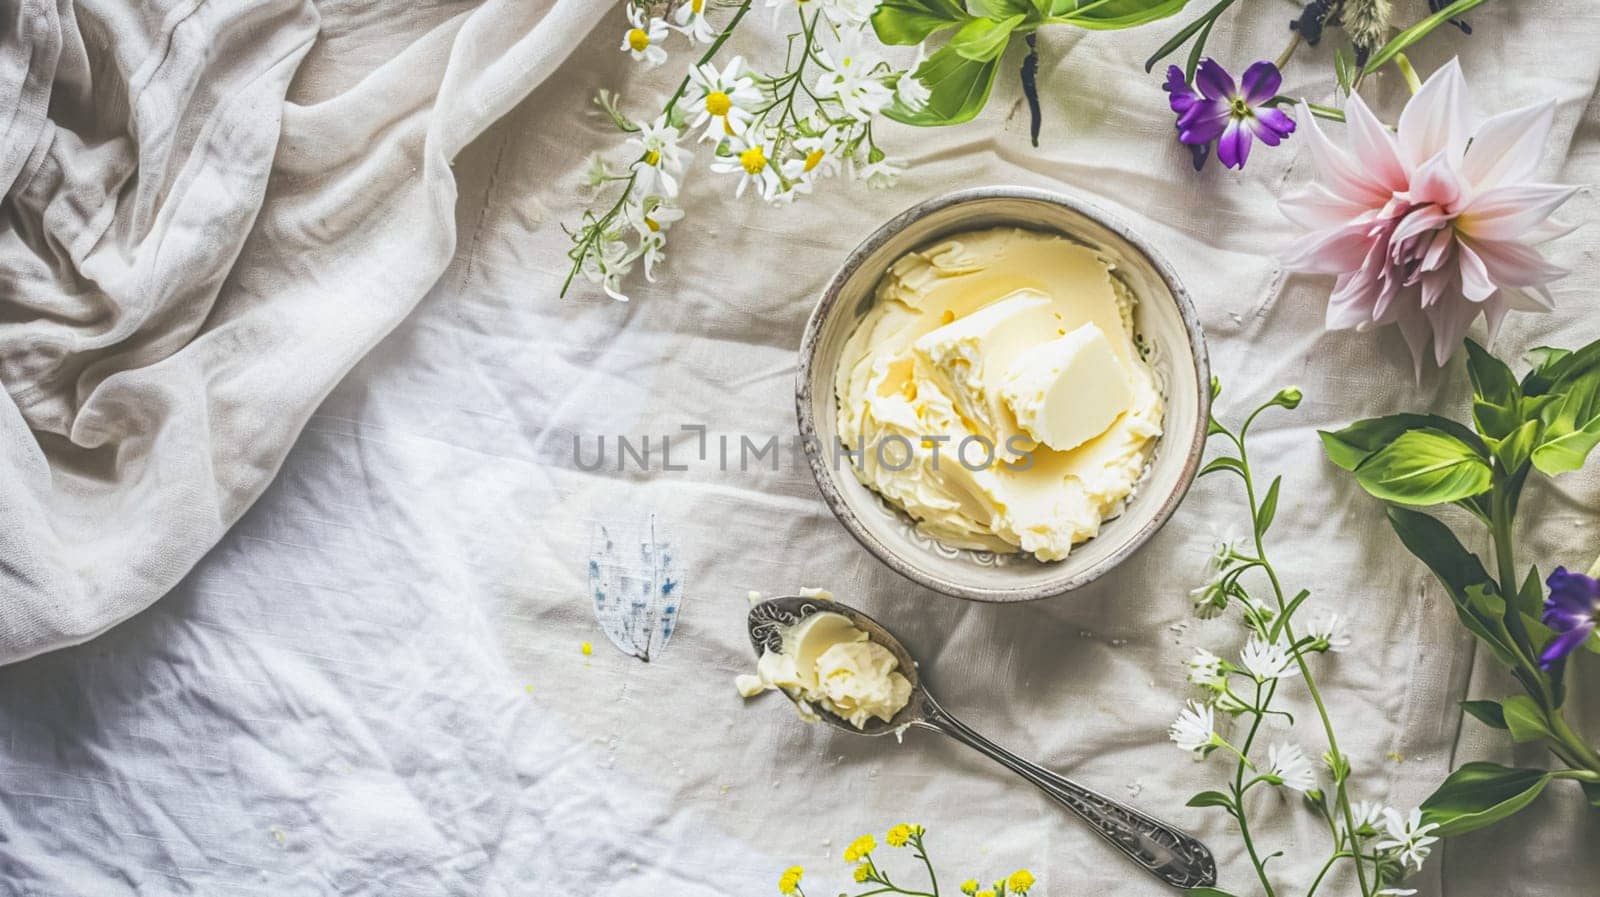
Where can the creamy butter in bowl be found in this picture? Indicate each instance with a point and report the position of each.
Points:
(1003, 393)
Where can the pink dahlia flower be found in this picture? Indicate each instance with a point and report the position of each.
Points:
(1427, 226)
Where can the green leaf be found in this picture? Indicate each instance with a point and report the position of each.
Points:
(1492, 380)
(1591, 793)
(958, 89)
(1000, 9)
(1406, 38)
(1210, 799)
(1207, 892)
(1480, 794)
(981, 40)
(1186, 32)
(1349, 447)
(1489, 713)
(1543, 359)
(1425, 467)
(1112, 15)
(1571, 422)
(1525, 719)
(1458, 570)
(911, 21)
(1516, 448)
(1288, 611)
(1269, 508)
(1341, 69)
(1225, 462)
(1530, 599)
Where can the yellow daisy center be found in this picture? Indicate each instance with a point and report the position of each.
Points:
(718, 103)
(753, 159)
(697, 6)
(638, 39)
(814, 158)
(652, 158)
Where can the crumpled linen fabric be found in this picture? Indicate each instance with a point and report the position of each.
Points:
(211, 211)
(374, 683)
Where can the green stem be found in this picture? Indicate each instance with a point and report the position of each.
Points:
(1326, 867)
(1238, 797)
(1341, 796)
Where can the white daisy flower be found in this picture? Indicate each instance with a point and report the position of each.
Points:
(850, 77)
(815, 157)
(1195, 729)
(1289, 763)
(1265, 661)
(1397, 892)
(643, 38)
(723, 100)
(1366, 813)
(882, 174)
(692, 21)
(1330, 632)
(660, 158)
(1408, 837)
(607, 263)
(909, 90)
(751, 157)
(651, 219)
(1205, 669)
(842, 13)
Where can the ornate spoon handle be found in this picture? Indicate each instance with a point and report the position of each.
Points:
(1173, 856)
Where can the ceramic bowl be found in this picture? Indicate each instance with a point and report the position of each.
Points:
(1164, 319)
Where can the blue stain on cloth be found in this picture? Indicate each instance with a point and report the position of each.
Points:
(635, 586)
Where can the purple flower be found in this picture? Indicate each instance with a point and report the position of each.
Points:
(1572, 610)
(1216, 110)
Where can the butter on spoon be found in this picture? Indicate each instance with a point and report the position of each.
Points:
(1170, 854)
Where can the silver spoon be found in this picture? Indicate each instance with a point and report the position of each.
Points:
(1170, 854)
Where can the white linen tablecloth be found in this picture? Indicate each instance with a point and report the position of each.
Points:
(373, 684)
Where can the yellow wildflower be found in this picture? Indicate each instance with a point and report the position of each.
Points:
(899, 835)
(985, 894)
(859, 848)
(789, 881)
(969, 887)
(862, 872)
(1020, 881)
(586, 649)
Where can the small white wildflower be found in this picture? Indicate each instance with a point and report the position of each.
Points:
(1261, 610)
(1205, 669)
(1330, 632)
(660, 158)
(607, 263)
(909, 90)
(1265, 661)
(1397, 892)
(597, 171)
(751, 158)
(1289, 763)
(851, 77)
(1366, 813)
(651, 217)
(1195, 729)
(1408, 837)
(841, 13)
(643, 38)
(692, 21)
(723, 99)
(881, 174)
(1209, 599)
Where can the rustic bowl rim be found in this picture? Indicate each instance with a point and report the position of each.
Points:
(824, 474)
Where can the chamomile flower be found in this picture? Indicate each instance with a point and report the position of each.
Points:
(692, 21)
(909, 90)
(1330, 633)
(660, 158)
(643, 38)
(722, 100)
(1195, 729)
(881, 174)
(751, 157)
(1408, 837)
(851, 77)
(1264, 661)
(1289, 763)
(817, 156)
(606, 264)
(1205, 669)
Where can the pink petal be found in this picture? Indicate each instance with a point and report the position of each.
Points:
(1513, 264)
(1420, 220)
(1414, 327)
(1315, 206)
(1494, 312)
(1439, 249)
(1436, 181)
(1435, 120)
(1551, 230)
(1450, 321)
(1438, 286)
(1351, 302)
(1507, 147)
(1507, 213)
(1475, 283)
(1374, 146)
(1334, 166)
(1333, 251)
